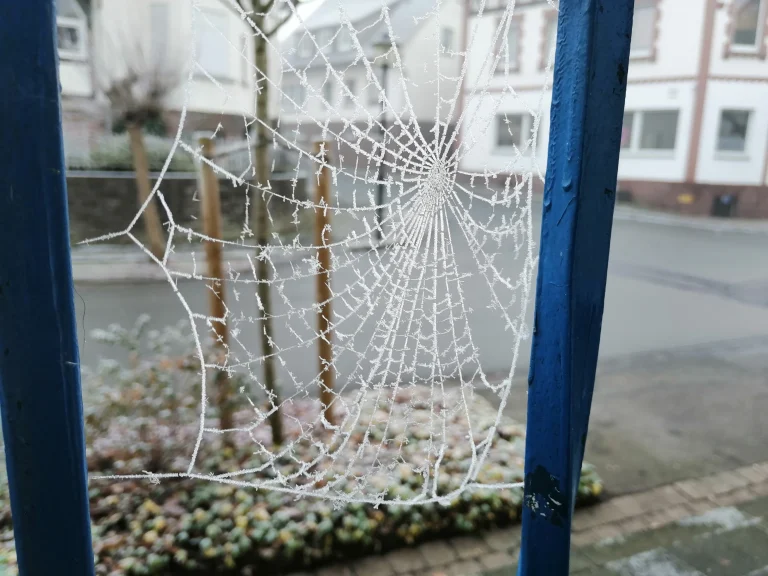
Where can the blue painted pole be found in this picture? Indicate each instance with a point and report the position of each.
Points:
(40, 395)
(579, 195)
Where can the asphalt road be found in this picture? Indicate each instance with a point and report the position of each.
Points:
(682, 388)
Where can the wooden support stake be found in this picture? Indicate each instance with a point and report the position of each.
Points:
(211, 212)
(40, 397)
(590, 84)
(322, 240)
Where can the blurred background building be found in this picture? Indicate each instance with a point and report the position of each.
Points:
(695, 134)
(337, 33)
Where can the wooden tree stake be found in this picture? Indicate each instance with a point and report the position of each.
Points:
(152, 221)
(322, 240)
(211, 212)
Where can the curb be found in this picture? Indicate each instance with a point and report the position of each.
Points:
(703, 223)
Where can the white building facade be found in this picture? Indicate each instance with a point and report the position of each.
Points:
(322, 69)
(81, 118)
(695, 133)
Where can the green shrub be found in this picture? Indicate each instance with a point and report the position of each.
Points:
(114, 153)
(143, 416)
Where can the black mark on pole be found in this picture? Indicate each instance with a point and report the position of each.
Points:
(621, 74)
(544, 496)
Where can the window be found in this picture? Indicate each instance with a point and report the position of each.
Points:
(511, 49)
(212, 31)
(296, 92)
(71, 39)
(649, 130)
(328, 91)
(325, 39)
(551, 38)
(732, 135)
(748, 22)
(304, 46)
(659, 130)
(160, 29)
(375, 87)
(244, 59)
(344, 41)
(446, 39)
(351, 85)
(626, 129)
(510, 129)
(644, 28)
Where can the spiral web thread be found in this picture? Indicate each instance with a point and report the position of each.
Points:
(402, 321)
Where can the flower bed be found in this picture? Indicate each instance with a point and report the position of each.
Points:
(193, 526)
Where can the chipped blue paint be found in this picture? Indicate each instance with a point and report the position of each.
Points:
(586, 117)
(40, 396)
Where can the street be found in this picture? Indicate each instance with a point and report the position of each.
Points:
(682, 385)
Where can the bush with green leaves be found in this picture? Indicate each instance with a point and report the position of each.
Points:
(142, 415)
(113, 153)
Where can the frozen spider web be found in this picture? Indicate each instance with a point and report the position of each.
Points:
(429, 281)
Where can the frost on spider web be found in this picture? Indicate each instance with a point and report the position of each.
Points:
(411, 313)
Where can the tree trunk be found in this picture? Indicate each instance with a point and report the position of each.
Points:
(261, 230)
(211, 213)
(154, 227)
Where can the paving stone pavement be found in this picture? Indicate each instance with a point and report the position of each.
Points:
(717, 525)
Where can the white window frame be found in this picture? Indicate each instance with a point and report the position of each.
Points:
(81, 53)
(759, 32)
(646, 52)
(733, 153)
(638, 118)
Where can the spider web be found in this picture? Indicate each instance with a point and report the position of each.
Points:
(452, 253)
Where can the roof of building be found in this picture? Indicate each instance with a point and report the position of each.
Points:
(330, 12)
(405, 15)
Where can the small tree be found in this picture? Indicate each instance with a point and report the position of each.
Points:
(267, 22)
(136, 89)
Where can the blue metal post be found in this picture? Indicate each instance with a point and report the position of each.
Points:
(39, 364)
(579, 195)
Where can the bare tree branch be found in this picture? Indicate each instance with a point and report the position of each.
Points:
(263, 9)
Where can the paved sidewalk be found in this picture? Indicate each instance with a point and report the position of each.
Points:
(717, 525)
